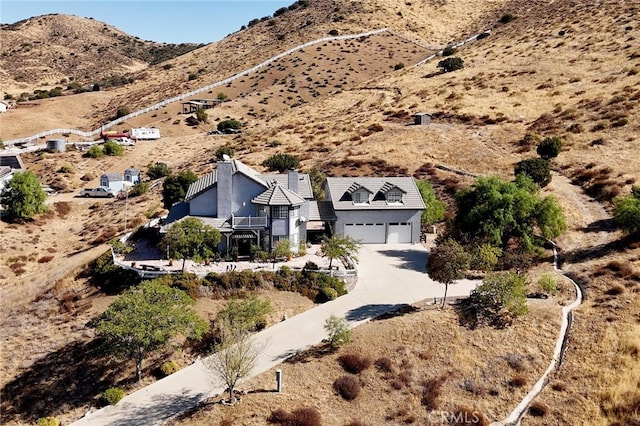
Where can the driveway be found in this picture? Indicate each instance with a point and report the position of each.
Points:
(390, 276)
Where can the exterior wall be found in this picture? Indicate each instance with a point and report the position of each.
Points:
(205, 204)
(131, 177)
(244, 190)
(379, 216)
(117, 185)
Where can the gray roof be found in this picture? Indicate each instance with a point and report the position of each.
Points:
(133, 171)
(304, 183)
(339, 191)
(112, 176)
(220, 224)
(277, 195)
(210, 179)
(321, 211)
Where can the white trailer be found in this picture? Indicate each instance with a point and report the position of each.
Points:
(142, 133)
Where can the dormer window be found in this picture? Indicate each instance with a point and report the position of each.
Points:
(394, 197)
(360, 197)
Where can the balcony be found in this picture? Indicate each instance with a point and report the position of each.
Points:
(248, 222)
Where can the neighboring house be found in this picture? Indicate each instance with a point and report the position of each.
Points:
(383, 210)
(132, 175)
(115, 181)
(248, 207)
(9, 164)
(145, 133)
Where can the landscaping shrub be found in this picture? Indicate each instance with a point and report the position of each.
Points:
(327, 294)
(548, 284)
(337, 330)
(139, 189)
(354, 363)
(169, 367)
(303, 416)
(113, 395)
(48, 421)
(384, 365)
(347, 386)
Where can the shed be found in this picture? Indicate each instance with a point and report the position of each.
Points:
(3, 107)
(422, 118)
(56, 145)
(132, 175)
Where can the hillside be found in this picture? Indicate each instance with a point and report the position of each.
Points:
(61, 50)
(565, 68)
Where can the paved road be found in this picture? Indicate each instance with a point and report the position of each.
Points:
(390, 276)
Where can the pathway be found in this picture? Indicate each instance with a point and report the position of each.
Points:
(390, 276)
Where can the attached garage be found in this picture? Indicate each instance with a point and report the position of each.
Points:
(366, 233)
(399, 233)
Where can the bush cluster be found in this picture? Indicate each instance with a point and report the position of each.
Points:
(354, 363)
(304, 416)
(158, 170)
(347, 386)
(48, 421)
(113, 395)
(281, 162)
(169, 367)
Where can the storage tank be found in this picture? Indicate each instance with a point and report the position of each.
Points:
(56, 145)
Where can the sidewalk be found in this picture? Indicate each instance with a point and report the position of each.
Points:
(390, 276)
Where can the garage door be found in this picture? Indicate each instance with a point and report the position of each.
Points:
(399, 233)
(367, 233)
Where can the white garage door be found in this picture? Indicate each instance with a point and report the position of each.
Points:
(367, 233)
(399, 233)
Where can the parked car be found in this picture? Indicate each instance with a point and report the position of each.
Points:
(101, 191)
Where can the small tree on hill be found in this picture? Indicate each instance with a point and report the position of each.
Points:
(338, 331)
(23, 196)
(245, 314)
(175, 187)
(123, 111)
(451, 64)
(281, 162)
(202, 115)
(95, 151)
(626, 213)
(112, 148)
(499, 300)
(538, 169)
(549, 147)
(158, 170)
(145, 319)
(447, 262)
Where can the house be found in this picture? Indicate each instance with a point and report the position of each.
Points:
(378, 210)
(9, 164)
(132, 175)
(144, 133)
(116, 181)
(249, 208)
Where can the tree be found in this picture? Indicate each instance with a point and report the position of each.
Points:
(229, 124)
(451, 64)
(336, 246)
(175, 187)
(447, 262)
(95, 151)
(222, 96)
(448, 51)
(626, 211)
(485, 257)
(222, 151)
(202, 115)
(23, 196)
(158, 170)
(123, 111)
(498, 212)
(190, 238)
(281, 250)
(317, 178)
(499, 300)
(248, 315)
(281, 162)
(112, 148)
(235, 357)
(434, 208)
(549, 147)
(538, 169)
(145, 319)
(338, 331)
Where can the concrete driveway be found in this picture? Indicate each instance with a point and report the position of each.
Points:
(390, 276)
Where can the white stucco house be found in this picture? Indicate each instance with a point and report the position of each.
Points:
(118, 181)
(248, 207)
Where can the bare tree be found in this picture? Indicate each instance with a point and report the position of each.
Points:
(236, 356)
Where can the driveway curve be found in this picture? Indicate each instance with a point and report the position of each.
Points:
(390, 276)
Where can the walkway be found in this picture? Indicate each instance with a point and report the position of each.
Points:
(390, 276)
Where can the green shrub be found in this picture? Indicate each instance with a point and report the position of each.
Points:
(448, 51)
(451, 64)
(222, 151)
(158, 170)
(506, 18)
(122, 112)
(538, 169)
(67, 168)
(329, 293)
(113, 395)
(281, 162)
(398, 66)
(192, 76)
(548, 284)
(626, 212)
(229, 124)
(202, 115)
(48, 421)
(169, 367)
(95, 151)
(333, 33)
(112, 148)
(139, 189)
(550, 147)
(338, 331)
(483, 35)
(222, 96)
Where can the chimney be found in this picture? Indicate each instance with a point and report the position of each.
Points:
(293, 180)
(224, 177)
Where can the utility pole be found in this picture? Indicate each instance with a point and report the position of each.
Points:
(126, 202)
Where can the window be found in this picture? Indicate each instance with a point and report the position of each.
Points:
(394, 197)
(280, 212)
(294, 212)
(360, 197)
